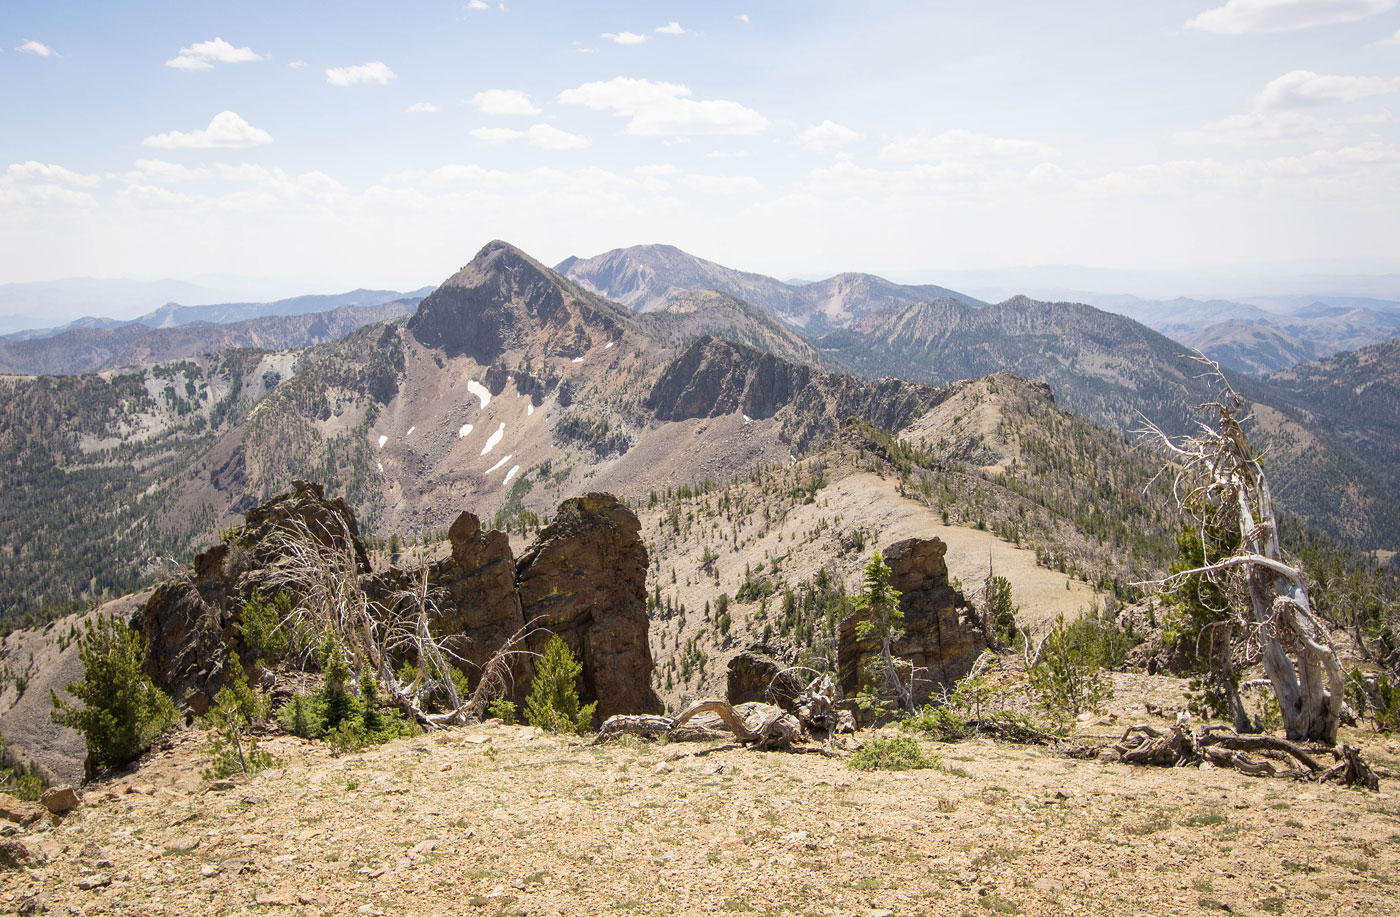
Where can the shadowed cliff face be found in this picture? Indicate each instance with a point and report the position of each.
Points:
(713, 378)
(506, 300)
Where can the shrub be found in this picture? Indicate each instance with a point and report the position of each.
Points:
(939, 724)
(122, 711)
(503, 710)
(553, 704)
(230, 721)
(898, 753)
(1070, 678)
(270, 632)
(346, 721)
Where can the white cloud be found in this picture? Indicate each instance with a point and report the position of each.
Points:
(205, 54)
(742, 17)
(1237, 17)
(827, 137)
(962, 145)
(722, 184)
(297, 64)
(225, 130)
(671, 28)
(422, 107)
(37, 47)
(42, 187)
(1392, 40)
(504, 102)
(33, 172)
(478, 5)
(496, 134)
(1303, 88)
(548, 137)
(159, 170)
(1262, 126)
(727, 154)
(664, 109)
(373, 72)
(625, 38)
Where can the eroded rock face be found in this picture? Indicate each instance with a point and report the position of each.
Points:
(481, 610)
(191, 625)
(752, 671)
(939, 639)
(585, 579)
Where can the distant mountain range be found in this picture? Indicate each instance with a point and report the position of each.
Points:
(87, 350)
(646, 277)
(172, 314)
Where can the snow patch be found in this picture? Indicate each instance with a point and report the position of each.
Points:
(410, 432)
(609, 345)
(748, 419)
(381, 467)
(382, 441)
(480, 391)
(529, 410)
(494, 438)
(510, 474)
(499, 464)
(466, 428)
(577, 360)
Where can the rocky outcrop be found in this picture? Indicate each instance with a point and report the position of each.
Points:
(712, 378)
(190, 624)
(941, 639)
(585, 579)
(753, 671)
(480, 609)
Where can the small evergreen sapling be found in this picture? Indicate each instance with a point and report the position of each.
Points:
(553, 704)
(230, 721)
(122, 711)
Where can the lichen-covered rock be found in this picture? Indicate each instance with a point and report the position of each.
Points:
(585, 579)
(940, 638)
(751, 673)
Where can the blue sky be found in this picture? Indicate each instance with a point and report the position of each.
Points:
(332, 145)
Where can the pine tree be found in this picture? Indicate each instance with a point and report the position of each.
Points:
(553, 704)
(122, 710)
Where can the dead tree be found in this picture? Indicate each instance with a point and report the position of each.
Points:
(321, 571)
(1220, 482)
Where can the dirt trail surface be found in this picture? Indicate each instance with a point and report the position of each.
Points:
(507, 820)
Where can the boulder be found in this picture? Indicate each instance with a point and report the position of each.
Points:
(753, 670)
(15, 854)
(585, 579)
(60, 800)
(21, 812)
(941, 638)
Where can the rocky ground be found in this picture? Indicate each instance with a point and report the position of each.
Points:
(497, 819)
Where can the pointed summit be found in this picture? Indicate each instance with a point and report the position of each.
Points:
(506, 300)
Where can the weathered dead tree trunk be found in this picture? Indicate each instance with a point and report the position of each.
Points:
(1257, 756)
(763, 726)
(1221, 482)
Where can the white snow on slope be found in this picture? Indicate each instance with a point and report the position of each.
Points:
(480, 391)
(510, 474)
(382, 441)
(494, 438)
(410, 432)
(529, 410)
(498, 464)
(466, 428)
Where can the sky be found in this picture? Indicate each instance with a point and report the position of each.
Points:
(329, 145)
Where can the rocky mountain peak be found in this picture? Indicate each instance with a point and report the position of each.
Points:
(506, 300)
